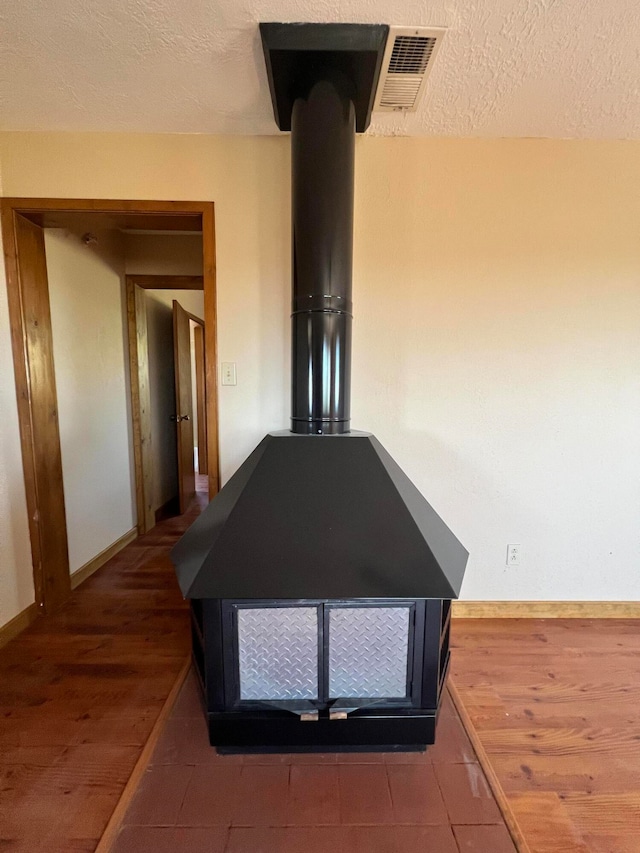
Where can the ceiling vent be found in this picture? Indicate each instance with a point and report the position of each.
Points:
(407, 61)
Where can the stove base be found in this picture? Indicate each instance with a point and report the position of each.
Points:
(384, 731)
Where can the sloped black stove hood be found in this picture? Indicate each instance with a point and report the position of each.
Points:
(319, 517)
(321, 512)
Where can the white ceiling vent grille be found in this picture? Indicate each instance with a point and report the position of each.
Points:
(408, 58)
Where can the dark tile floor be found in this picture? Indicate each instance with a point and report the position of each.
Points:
(193, 799)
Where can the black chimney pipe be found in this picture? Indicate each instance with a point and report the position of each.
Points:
(323, 129)
(323, 80)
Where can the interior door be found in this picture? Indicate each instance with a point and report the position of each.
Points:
(184, 405)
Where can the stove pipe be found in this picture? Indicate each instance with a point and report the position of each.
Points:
(323, 129)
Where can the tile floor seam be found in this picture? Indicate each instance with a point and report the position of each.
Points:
(455, 838)
(186, 789)
(287, 804)
(446, 805)
(393, 807)
(227, 840)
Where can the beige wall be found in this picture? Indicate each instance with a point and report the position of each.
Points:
(90, 359)
(163, 254)
(496, 334)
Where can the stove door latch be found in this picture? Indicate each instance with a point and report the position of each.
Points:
(341, 708)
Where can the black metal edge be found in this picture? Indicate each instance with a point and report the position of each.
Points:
(443, 678)
(369, 601)
(307, 749)
(431, 660)
(304, 37)
(323, 653)
(231, 654)
(397, 730)
(265, 31)
(214, 645)
(411, 645)
(376, 78)
(418, 651)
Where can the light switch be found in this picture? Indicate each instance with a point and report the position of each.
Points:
(229, 373)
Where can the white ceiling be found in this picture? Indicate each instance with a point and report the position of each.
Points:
(554, 68)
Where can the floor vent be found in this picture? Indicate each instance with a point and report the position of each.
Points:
(408, 58)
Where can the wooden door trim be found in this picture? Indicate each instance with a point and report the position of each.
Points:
(140, 404)
(20, 349)
(211, 346)
(31, 339)
(168, 282)
(193, 317)
(182, 367)
(201, 396)
(37, 417)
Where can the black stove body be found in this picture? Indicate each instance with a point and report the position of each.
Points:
(320, 578)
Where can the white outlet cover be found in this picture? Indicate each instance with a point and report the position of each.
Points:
(513, 554)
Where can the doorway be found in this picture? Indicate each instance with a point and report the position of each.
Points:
(23, 223)
(168, 392)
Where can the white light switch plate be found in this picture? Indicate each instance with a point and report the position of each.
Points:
(229, 373)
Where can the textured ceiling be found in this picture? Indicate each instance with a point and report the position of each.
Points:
(556, 68)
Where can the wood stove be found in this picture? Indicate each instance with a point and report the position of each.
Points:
(320, 578)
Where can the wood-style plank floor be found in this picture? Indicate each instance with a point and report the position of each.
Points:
(556, 706)
(80, 691)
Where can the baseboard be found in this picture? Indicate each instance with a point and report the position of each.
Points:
(168, 509)
(17, 625)
(546, 609)
(92, 566)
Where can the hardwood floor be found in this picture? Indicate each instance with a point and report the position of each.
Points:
(556, 706)
(80, 691)
(555, 703)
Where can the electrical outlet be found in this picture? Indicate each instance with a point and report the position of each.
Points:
(513, 555)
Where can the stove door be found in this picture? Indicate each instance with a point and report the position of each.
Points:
(277, 653)
(306, 655)
(369, 651)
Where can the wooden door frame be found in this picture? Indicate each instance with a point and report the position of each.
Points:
(135, 286)
(201, 395)
(182, 374)
(30, 323)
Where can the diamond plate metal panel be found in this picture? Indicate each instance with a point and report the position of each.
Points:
(368, 652)
(278, 652)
